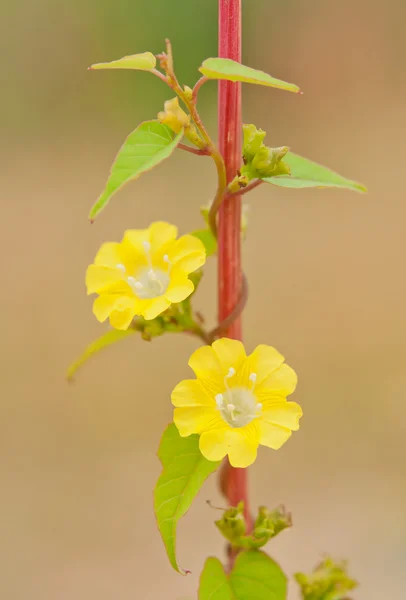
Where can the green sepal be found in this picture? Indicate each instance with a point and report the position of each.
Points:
(328, 581)
(184, 470)
(254, 576)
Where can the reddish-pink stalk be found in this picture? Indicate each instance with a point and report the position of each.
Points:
(229, 225)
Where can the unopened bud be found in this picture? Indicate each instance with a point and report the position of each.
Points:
(174, 116)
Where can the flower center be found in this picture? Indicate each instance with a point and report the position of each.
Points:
(149, 282)
(238, 406)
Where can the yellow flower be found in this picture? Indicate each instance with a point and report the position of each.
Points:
(237, 401)
(144, 274)
(174, 116)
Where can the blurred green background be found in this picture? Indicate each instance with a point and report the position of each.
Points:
(327, 279)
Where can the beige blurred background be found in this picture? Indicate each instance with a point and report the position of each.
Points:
(327, 278)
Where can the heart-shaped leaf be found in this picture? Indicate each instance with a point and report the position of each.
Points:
(305, 173)
(141, 62)
(184, 471)
(145, 147)
(254, 575)
(225, 68)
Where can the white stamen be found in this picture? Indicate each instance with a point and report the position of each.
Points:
(120, 267)
(219, 400)
(152, 275)
(138, 285)
(231, 372)
(166, 259)
(231, 409)
(253, 377)
(147, 246)
(259, 406)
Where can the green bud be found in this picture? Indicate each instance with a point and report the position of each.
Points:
(239, 181)
(328, 581)
(188, 93)
(192, 135)
(232, 525)
(267, 160)
(253, 140)
(272, 522)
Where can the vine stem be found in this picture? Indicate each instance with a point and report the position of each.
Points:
(233, 481)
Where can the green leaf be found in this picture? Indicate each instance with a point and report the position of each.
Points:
(141, 62)
(305, 173)
(145, 147)
(225, 68)
(255, 575)
(184, 471)
(209, 241)
(214, 584)
(106, 340)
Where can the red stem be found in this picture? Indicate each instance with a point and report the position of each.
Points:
(229, 224)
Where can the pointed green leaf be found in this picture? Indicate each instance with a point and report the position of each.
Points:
(141, 62)
(305, 173)
(106, 340)
(184, 471)
(145, 147)
(207, 238)
(225, 68)
(254, 575)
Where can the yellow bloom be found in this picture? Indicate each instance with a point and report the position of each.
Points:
(237, 401)
(174, 116)
(144, 274)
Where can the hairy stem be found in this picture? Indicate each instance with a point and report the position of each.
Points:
(229, 224)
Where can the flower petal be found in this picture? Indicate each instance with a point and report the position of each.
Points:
(160, 233)
(121, 319)
(282, 413)
(196, 419)
(133, 243)
(180, 287)
(155, 307)
(262, 362)
(244, 443)
(187, 253)
(273, 436)
(109, 255)
(230, 353)
(103, 306)
(207, 368)
(280, 382)
(213, 444)
(191, 392)
(101, 278)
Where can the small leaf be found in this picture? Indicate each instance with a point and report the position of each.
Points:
(184, 471)
(145, 147)
(225, 68)
(305, 173)
(141, 62)
(214, 584)
(106, 340)
(209, 241)
(255, 575)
